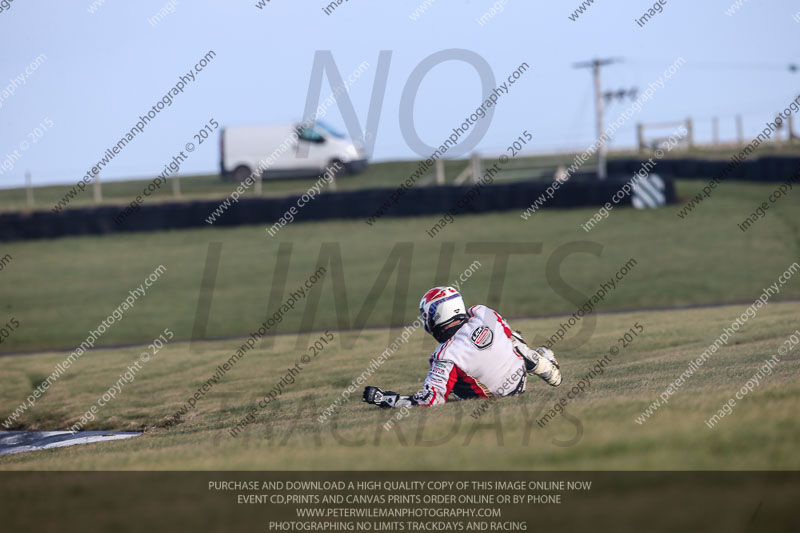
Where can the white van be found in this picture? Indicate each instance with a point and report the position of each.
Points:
(295, 150)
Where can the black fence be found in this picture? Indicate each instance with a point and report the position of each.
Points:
(580, 191)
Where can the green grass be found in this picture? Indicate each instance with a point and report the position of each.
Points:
(61, 289)
(212, 187)
(386, 174)
(600, 433)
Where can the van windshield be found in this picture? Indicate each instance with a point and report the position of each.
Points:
(319, 125)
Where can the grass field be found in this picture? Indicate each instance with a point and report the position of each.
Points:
(212, 187)
(600, 433)
(61, 289)
(58, 290)
(386, 174)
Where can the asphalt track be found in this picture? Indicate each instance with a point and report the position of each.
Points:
(30, 441)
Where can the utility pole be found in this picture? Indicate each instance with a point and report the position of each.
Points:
(98, 192)
(595, 65)
(715, 131)
(29, 187)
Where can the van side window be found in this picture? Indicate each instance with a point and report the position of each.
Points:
(308, 134)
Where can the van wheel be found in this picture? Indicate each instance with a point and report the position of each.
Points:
(337, 168)
(241, 173)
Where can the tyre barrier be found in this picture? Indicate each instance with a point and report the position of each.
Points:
(764, 169)
(582, 190)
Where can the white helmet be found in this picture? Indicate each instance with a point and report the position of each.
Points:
(440, 307)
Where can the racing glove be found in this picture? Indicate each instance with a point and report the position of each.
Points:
(388, 399)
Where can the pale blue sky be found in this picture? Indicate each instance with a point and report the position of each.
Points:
(105, 69)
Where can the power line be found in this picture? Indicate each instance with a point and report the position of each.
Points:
(721, 65)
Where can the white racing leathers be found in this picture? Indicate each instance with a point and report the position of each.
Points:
(479, 361)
